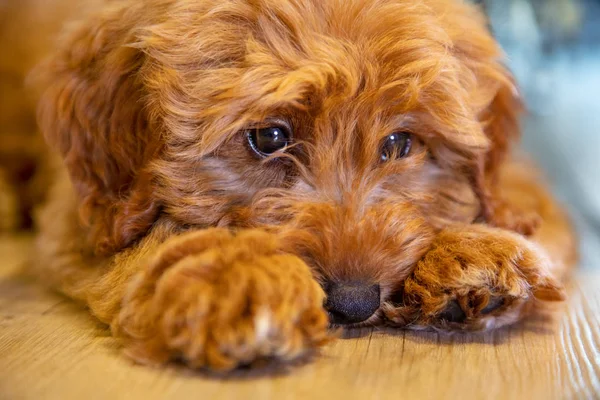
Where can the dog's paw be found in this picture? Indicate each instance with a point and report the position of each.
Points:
(218, 301)
(475, 279)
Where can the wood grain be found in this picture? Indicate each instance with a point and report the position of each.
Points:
(50, 348)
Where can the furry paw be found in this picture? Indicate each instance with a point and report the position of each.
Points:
(219, 301)
(475, 279)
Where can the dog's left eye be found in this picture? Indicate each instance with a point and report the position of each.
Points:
(396, 145)
(266, 141)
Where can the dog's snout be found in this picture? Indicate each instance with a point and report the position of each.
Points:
(350, 303)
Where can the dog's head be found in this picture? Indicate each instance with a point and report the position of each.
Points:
(354, 129)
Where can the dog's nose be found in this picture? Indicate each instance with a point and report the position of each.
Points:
(350, 303)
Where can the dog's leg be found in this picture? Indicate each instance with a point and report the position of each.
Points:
(210, 298)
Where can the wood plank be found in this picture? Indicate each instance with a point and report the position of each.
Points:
(50, 348)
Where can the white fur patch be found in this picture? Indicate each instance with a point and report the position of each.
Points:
(262, 325)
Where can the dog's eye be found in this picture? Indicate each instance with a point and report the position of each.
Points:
(266, 141)
(396, 145)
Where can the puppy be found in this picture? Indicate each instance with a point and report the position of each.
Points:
(237, 175)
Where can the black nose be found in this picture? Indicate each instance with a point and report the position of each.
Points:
(350, 303)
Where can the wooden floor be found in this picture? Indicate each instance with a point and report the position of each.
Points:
(50, 348)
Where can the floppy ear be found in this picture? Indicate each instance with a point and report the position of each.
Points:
(501, 125)
(496, 98)
(91, 110)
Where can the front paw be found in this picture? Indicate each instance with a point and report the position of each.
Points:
(215, 300)
(475, 279)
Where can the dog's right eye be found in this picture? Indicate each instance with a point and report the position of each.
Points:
(268, 140)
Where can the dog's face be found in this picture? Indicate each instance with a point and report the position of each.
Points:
(353, 129)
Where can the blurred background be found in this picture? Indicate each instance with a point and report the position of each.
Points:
(553, 48)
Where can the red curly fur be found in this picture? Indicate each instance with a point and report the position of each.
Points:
(173, 232)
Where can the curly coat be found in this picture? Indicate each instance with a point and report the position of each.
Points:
(166, 224)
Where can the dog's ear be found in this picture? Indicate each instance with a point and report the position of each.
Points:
(501, 125)
(500, 121)
(499, 107)
(91, 110)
